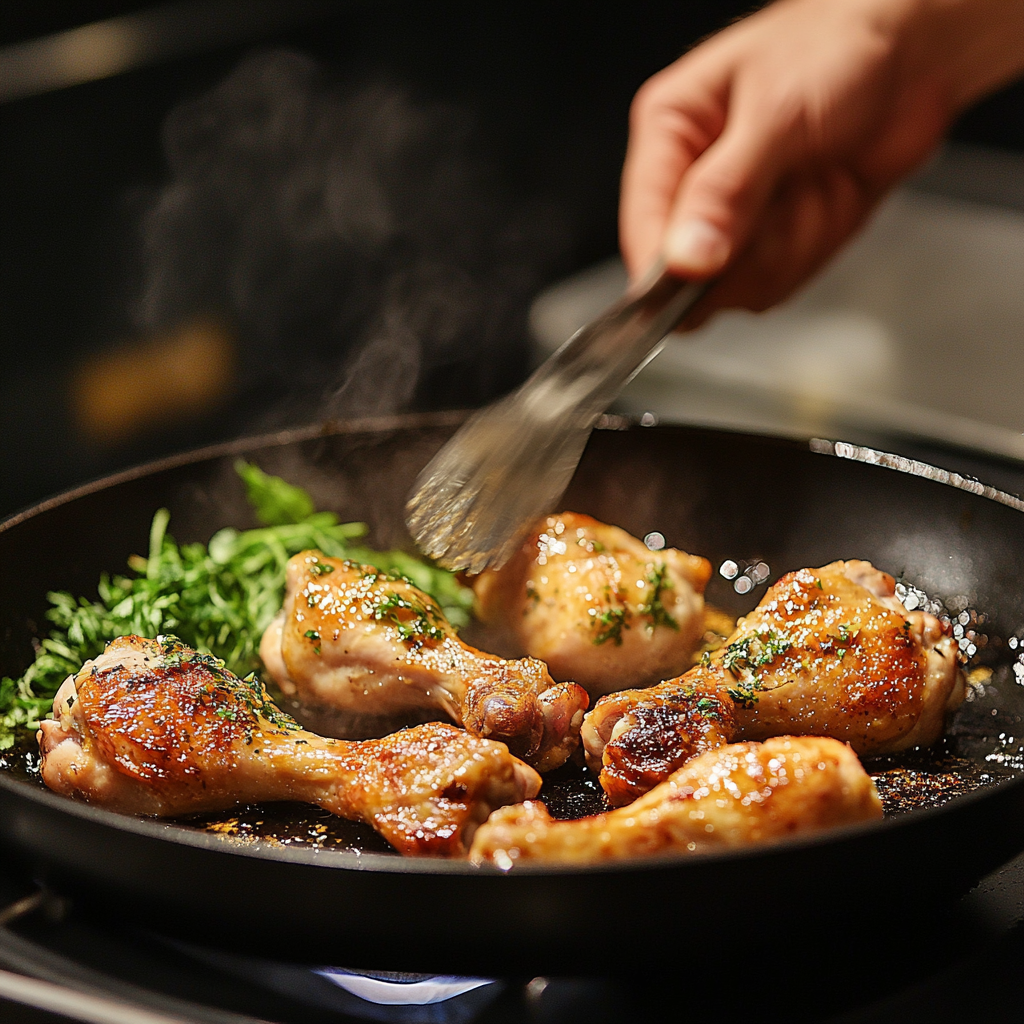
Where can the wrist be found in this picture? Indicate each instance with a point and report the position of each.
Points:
(966, 48)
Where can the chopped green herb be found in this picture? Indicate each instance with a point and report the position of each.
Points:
(847, 635)
(654, 609)
(709, 707)
(311, 634)
(414, 621)
(755, 651)
(610, 624)
(745, 696)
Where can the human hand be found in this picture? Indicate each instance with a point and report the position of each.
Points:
(757, 154)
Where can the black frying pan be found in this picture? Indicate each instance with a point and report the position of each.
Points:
(722, 495)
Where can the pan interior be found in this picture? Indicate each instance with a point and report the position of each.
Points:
(728, 497)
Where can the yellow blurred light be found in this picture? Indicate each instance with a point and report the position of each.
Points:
(164, 380)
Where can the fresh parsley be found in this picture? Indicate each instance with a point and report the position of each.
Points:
(414, 621)
(653, 608)
(610, 624)
(745, 696)
(755, 650)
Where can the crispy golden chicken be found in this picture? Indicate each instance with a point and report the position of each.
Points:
(827, 652)
(596, 605)
(152, 727)
(355, 639)
(736, 795)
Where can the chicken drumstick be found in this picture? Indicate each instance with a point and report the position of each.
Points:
(596, 605)
(827, 652)
(152, 727)
(356, 639)
(736, 795)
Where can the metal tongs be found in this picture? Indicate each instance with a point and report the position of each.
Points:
(510, 462)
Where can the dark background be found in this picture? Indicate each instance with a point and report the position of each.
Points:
(542, 93)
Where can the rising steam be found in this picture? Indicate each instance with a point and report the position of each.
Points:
(365, 259)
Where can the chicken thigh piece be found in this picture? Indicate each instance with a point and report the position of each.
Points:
(596, 605)
(355, 639)
(152, 727)
(827, 652)
(737, 795)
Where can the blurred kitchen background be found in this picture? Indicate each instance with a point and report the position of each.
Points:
(229, 217)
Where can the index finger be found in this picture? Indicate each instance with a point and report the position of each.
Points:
(675, 116)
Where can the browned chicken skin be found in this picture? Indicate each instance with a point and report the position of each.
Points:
(596, 605)
(736, 795)
(658, 731)
(152, 727)
(828, 652)
(355, 639)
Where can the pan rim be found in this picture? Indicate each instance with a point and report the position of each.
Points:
(804, 441)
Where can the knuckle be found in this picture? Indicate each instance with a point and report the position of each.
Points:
(645, 102)
(658, 93)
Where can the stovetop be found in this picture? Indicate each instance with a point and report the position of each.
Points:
(59, 964)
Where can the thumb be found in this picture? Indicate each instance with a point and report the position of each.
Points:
(723, 195)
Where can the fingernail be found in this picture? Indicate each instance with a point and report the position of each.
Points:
(696, 246)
